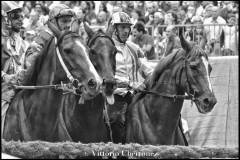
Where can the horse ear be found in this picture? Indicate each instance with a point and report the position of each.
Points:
(54, 29)
(88, 29)
(75, 25)
(185, 44)
(203, 41)
(110, 28)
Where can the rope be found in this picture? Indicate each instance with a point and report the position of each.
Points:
(71, 150)
(105, 113)
(64, 87)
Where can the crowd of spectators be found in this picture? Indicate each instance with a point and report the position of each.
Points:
(150, 19)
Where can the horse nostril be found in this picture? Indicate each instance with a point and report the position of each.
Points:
(206, 101)
(92, 83)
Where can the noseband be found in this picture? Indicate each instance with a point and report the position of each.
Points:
(75, 82)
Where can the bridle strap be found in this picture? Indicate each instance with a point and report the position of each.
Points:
(69, 75)
(190, 97)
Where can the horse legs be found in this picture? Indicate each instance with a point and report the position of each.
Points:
(179, 137)
(117, 119)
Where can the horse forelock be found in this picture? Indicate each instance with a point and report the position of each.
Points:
(197, 52)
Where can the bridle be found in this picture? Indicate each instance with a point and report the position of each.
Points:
(74, 86)
(91, 41)
(190, 96)
(75, 82)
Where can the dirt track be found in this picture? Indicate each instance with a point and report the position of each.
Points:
(40, 149)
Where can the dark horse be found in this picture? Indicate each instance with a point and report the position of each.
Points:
(153, 117)
(87, 123)
(36, 114)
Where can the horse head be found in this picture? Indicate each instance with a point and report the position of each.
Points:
(198, 70)
(75, 56)
(102, 54)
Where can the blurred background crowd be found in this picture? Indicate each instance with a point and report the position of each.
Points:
(217, 20)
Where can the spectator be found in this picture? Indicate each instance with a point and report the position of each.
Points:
(150, 12)
(158, 21)
(165, 6)
(78, 26)
(116, 9)
(175, 6)
(207, 11)
(135, 15)
(144, 40)
(214, 31)
(199, 8)
(103, 7)
(230, 32)
(226, 9)
(33, 22)
(172, 41)
(190, 12)
(181, 16)
(140, 6)
(188, 30)
(199, 31)
(12, 68)
(170, 18)
(102, 20)
(89, 11)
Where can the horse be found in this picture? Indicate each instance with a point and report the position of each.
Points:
(36, 114)
(88, 122)
(154, 114)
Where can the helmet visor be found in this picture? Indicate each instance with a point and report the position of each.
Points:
(65, 12)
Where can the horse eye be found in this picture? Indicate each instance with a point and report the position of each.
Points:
(67, 50)
(193, 65)
(92, 52)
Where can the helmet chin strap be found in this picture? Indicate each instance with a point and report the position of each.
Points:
(56, 22)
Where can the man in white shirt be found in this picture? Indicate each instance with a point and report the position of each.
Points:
(129, 63)
(214, 31)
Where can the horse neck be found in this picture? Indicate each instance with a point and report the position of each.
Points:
(163, 110)
(51, 69)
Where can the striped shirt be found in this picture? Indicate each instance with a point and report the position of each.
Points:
(129, 65)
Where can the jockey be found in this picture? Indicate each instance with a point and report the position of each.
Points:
(129, 63)
(13, 52)
(60, 16)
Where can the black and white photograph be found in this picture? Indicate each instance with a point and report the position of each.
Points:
(119, 79)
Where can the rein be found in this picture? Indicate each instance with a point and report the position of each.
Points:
(70, 87)
(173, 96)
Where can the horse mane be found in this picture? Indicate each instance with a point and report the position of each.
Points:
(197, 51)
(33, 72)
(161, 66)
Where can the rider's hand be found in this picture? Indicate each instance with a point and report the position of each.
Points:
(10, 78)
(35, 47)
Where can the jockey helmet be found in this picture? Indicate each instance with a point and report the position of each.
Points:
(59, 10)
(11, 11)
(10, 6)
(121, 18)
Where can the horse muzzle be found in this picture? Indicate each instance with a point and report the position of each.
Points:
(205, 104)
(108, 87)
